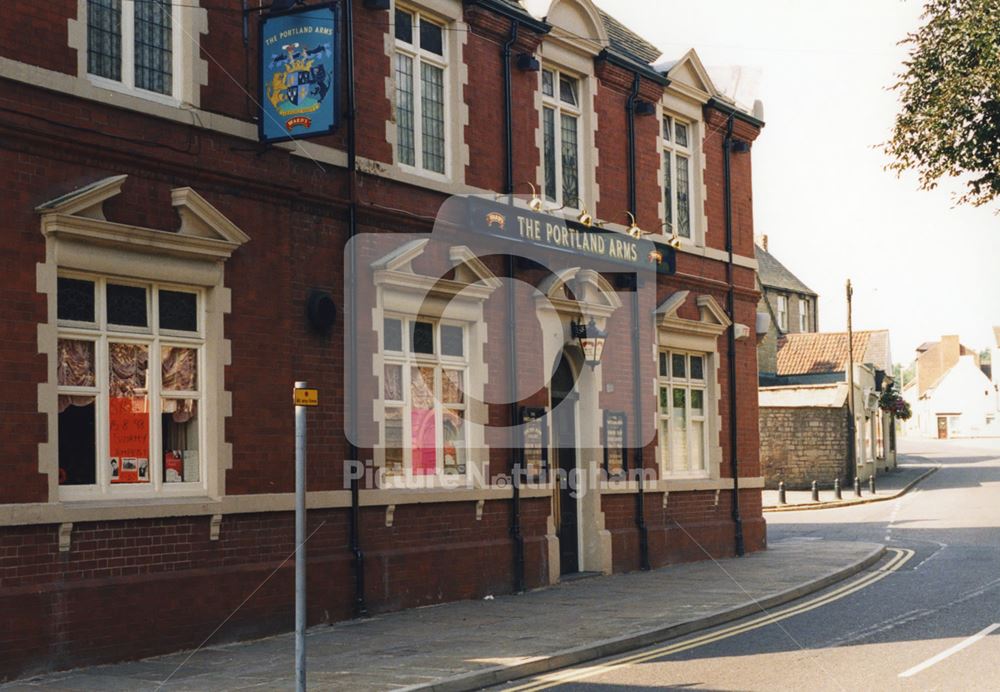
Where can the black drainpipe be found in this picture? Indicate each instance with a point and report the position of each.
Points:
(515, 525)
(360, 608)
(727, 145)
(640, 504)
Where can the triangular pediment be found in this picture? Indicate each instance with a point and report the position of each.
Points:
(712, 319)
(689, 74)
(470, 269)
(87, 201)
(79, 216)
(199, 218)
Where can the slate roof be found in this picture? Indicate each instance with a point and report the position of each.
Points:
(815, 353)
(623, 40)
(628, 43)
(773, 274)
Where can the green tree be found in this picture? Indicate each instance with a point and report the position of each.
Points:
(949, 125)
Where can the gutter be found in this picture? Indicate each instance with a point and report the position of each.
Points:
(734, 112)
(358, 556)
(727, 145)
(640, 498)
(507, 10)
(516, 451)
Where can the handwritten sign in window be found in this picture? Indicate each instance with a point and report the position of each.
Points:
(128, 424)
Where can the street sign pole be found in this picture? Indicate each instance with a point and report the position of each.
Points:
(300, 540)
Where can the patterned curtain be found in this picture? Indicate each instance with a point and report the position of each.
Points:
(129, 363)
(76, 369)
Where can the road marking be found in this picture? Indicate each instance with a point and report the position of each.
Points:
(948, 652)
(902, 555)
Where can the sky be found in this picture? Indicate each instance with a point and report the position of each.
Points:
(920, 265)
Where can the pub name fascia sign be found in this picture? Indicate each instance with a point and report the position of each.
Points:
(552, 233)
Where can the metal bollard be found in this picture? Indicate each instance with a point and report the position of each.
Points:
(857, 487)
(836, 489)
(815, 492)
(871, 484)
(781, 493)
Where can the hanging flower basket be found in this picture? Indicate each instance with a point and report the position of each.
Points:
(892, 402)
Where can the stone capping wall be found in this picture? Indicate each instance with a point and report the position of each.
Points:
(801, 444)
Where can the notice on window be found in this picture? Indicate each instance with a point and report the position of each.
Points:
(128, 423)
(614, 444)
(533, 443)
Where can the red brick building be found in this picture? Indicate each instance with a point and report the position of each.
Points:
(159, 267)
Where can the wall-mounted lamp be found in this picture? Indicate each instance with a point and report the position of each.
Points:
(644, 108)
(591, 340)
(321, 310)
(585, 218)
(535, 203)
(526, 62)
(633, 228)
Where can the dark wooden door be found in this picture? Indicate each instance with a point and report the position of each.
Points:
(564, 437)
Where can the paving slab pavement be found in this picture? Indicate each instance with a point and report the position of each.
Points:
(911, 470)
(471, 644)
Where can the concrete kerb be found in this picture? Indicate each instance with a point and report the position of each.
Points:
(846, 503)
(610, 647)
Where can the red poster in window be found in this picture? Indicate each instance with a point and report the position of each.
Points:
(424, 442)
(128, 424)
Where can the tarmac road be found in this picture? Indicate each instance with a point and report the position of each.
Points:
(925, 618)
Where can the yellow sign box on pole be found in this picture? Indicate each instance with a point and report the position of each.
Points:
(306, 397)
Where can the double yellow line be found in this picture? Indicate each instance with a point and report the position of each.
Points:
(901, 557)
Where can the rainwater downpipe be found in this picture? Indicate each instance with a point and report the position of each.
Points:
(640, 503)
(727, 145)
(515, 447)
(358, 556)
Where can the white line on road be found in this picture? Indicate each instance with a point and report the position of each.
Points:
(948, 652)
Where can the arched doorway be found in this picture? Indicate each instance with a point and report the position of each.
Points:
(564, 438)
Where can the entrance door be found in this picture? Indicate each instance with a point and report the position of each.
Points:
(942, 427)
(564, 438)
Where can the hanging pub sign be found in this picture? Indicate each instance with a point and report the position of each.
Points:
(550, 232)
(615, 463)
(298, 73)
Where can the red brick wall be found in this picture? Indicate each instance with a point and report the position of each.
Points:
(37, 33)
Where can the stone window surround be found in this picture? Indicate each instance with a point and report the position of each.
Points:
(190, 70)
(688, 113)
(673, 332)
(79, 238)
(401, 291)
(448, 13)
(561, 57)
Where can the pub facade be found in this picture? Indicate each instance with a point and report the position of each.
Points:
(512, 249)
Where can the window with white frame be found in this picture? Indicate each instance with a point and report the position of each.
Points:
(425, 371)
(683, 417)
(129, 364)
(132, 42)
(421, 91)
(781, 308)
(561, 138)
(803, 314)
(678, 155)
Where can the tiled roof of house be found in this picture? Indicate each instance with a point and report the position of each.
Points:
(826, 352)
(773, 274)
